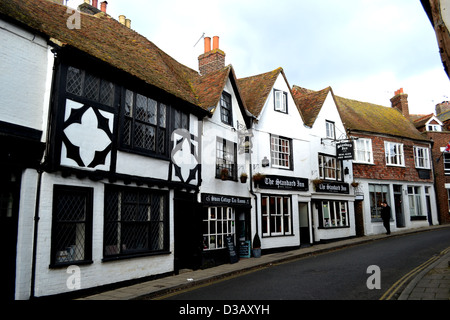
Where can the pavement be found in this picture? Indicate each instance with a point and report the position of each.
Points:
(429, 281)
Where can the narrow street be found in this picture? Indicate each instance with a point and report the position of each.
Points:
(339, 275)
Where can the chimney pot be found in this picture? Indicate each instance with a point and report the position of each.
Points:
(103, 6)
(215, 42)
(95, 3)
(207, 44)
(128, 23)
(122, 19)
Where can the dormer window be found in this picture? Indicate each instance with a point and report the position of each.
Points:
(280, 101)
(225, 109)
(434, 127)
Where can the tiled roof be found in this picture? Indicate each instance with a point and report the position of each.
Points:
(256, 89)
(209, 87)
(419, 120)
(309, 102)
(372, 118)
(107, 40)
(356, 115)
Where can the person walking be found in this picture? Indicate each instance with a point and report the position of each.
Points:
(386, 216)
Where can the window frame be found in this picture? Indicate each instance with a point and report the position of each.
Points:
(280, 101)
(425, 157)
(325, 170)
(378, 193)
(415, 201)
(222, 162)
(269, 218)
(281, 156)
(367, 150)
(330, 129)
(88, 194)
(226, 108)
(121, 251)
(396, 159)
(215, 224)
(336, 218)
(131, 114)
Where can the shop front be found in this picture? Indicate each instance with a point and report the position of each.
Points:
(333, 209)
(284, 214)
(225, 223)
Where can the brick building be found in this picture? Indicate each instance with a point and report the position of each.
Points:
(391, 163)
(435, 128)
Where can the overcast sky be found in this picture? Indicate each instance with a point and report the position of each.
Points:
(363, 49)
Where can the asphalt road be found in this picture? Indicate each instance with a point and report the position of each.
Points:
(338, 275)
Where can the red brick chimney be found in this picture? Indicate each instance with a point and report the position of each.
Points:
(103, 5)
(211, 60)
(400, 102)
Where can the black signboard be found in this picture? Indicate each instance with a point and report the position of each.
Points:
(284, 183)
(345, 150)
(333, 187)
(223, 200)
(231, 250)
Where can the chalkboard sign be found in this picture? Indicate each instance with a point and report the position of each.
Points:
(244, 249)
(232, 250)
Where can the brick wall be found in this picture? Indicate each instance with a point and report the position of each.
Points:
(211, 61)
(440, 140)
(380, 171)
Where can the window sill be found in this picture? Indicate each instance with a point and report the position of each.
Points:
(71, 263)
(135, 255)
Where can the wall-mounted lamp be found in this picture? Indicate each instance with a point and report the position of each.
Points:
(346, 171)
(265, 162)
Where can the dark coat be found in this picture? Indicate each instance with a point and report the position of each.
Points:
(386, 213)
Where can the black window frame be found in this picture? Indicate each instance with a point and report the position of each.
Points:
(121, 251)
(56, 251)
(231, 167)
(226, 109)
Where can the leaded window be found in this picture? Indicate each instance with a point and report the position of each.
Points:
(136, 221)
(72, 225)
(145, 124)
(86, 85)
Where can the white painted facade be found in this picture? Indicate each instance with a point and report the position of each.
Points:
(319, 144)
(271, 122)
(26, 71)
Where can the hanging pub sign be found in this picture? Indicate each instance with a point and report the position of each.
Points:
(283, 183)
(345, 150)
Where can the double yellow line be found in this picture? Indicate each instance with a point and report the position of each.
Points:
(399, 284)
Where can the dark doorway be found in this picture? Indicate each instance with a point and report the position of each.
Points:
(305, 234)
(9, 211)
(187, 232)
(398, 205)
